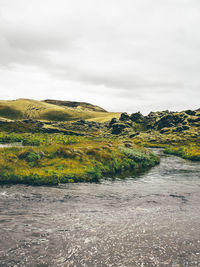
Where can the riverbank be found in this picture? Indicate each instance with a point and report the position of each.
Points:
(191, 152)
(179, 144)
(58, 159)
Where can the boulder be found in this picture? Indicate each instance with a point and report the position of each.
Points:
(80, 122)
(181, 128)
(137, 117)
(190, 112)
(134, 134)
(113, 120)
(128, 144)
(165, 130)
(169, 120)
(194, 119)
(117, 128)
(124, 117)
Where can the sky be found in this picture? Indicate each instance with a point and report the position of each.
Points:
(123, 55)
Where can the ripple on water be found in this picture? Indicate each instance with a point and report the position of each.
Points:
(146, 220)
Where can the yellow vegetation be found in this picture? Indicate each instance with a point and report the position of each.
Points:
(27, 108)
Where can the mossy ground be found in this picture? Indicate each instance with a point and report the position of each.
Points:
(51, 159)
(190, 151)
(185, 145)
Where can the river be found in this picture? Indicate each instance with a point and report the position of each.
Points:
(149, 220)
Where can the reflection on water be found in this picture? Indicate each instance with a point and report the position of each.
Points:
(149, 220)
(17, 144)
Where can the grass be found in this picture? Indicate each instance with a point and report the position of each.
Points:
(62, 159)
(191, 152)
(184, 145)
(10, 113)
(38, 139)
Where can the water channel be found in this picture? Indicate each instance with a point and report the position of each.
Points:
(149, 220)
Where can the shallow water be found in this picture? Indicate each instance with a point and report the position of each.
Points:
(149, 220)
(17, 144)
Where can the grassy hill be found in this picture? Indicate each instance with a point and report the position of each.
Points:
(55, 111)
(78, 105)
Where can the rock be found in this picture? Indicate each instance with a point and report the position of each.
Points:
(129, 123)
(93, 124)
(164, 130)
(134, 134)
(80, 122)
(29, 121)
(178, 129)
(181, 128)
(39, 124)
(190, 112)
(113, 120)
(117, 128)
(150, 120)
(185, 127)
(169, 120)
(124, 117)
(137, 117)
(196, 119)
(128, 144)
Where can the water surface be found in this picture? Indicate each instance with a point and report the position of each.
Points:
(17, 144)
(149, 220)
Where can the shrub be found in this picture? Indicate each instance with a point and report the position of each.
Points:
(94, 173)
(31, 141)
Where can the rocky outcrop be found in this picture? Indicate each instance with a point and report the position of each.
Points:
(124, 117)
(117, 128)
(137, 117)
(170, 120)
(190, 112)
(181, 128)
(113, 120)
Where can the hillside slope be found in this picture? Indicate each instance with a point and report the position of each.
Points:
(33, 109)
(77, 105)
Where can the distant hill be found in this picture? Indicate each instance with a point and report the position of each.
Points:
(53, 110)
(78, 105)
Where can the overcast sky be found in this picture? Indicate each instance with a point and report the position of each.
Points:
(123, 55)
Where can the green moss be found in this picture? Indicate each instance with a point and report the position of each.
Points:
(191, 152)
(82, 160)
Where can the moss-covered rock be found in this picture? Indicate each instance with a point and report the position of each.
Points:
(117, 128)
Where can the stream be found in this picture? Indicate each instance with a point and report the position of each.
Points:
(149, 220)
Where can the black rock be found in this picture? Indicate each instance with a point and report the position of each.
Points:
(134, 134)
(169, 120)
(197, 119)
(113, 120)
(80, 122)
(190, 112)
(137, 117)
(117, 128)
(124, 117)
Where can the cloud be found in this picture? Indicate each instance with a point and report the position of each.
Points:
(143, 54)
